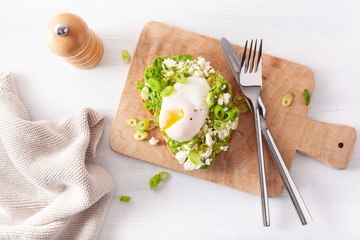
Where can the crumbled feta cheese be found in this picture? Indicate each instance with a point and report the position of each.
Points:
(225, 109)
(170, 73)
(223, 134)
(221, 101)
(212, 71)
(181, 156)
(205, 73)
(206, 154)
(224, 148)
(201, 61)
(169, 63)
(180, 64)
(226, 97)
(223, 87)
(153, 141)
(208, 162)
(187, 147)
(209, 140)
(188, 165)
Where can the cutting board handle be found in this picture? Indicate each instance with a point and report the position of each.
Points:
(329, 143)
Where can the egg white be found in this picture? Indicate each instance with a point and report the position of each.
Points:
(191, 99)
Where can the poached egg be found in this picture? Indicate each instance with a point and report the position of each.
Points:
(184, 112)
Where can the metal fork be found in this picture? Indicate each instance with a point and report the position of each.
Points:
(236, 65)
(251, 84)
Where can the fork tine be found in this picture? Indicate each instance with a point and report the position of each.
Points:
(253, 58)
(259, 57)
(243, 57)
(248, 60)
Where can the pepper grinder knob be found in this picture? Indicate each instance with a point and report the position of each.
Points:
(61, 29)
(68, 36)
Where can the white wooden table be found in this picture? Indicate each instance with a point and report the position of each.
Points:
(323, 35)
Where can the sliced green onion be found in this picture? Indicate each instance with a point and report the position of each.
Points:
(235, 111)
(194, 157)
(217, 85)
(219, 112)
(234, 124)
(141, 135)
(125, 199)
(229, 115)
(180, 78)
(286, 100)
(243, 108)
(238, 99)
(142, 125)
(154, 84)
(125, 56)
(210, 99)
(163, 176)
(132, 122)
(151, 125)
(219, 124)
(156, 179)
(145, 93)
(167, 91)
(306, 97)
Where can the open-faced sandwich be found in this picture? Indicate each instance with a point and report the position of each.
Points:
(192, 105)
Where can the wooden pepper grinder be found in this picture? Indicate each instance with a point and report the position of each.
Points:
(68, 36)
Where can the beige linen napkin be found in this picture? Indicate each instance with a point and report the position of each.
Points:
(47, 190)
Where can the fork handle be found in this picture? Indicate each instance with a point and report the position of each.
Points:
(262, 176)
(295, 196)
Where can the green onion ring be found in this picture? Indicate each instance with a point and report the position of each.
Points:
(167, 91)
(219, 112)
(243, 108)
(229, 115)
(286, 100)
(210, 99)
(194, 157)
(238, 99)
(156, 179)
(132, 122)
(219, 125)
(235, 111)
(145, 93)
(163, 176)
(142, 125)
(154, 84)
(141, 135)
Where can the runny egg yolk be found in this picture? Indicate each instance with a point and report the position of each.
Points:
(171, 117)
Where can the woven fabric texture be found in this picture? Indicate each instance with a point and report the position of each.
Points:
(47, 189)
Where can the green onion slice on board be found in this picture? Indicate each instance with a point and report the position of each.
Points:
(286, 100)
(306, 97)
(132, 122)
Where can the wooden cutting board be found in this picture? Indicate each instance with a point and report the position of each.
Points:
(331, 144)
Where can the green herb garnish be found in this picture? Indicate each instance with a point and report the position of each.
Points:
(125, 199)
(155, 180)
(306, 97)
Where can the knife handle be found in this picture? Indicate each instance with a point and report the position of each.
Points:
(261, 162)
(295, 196)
